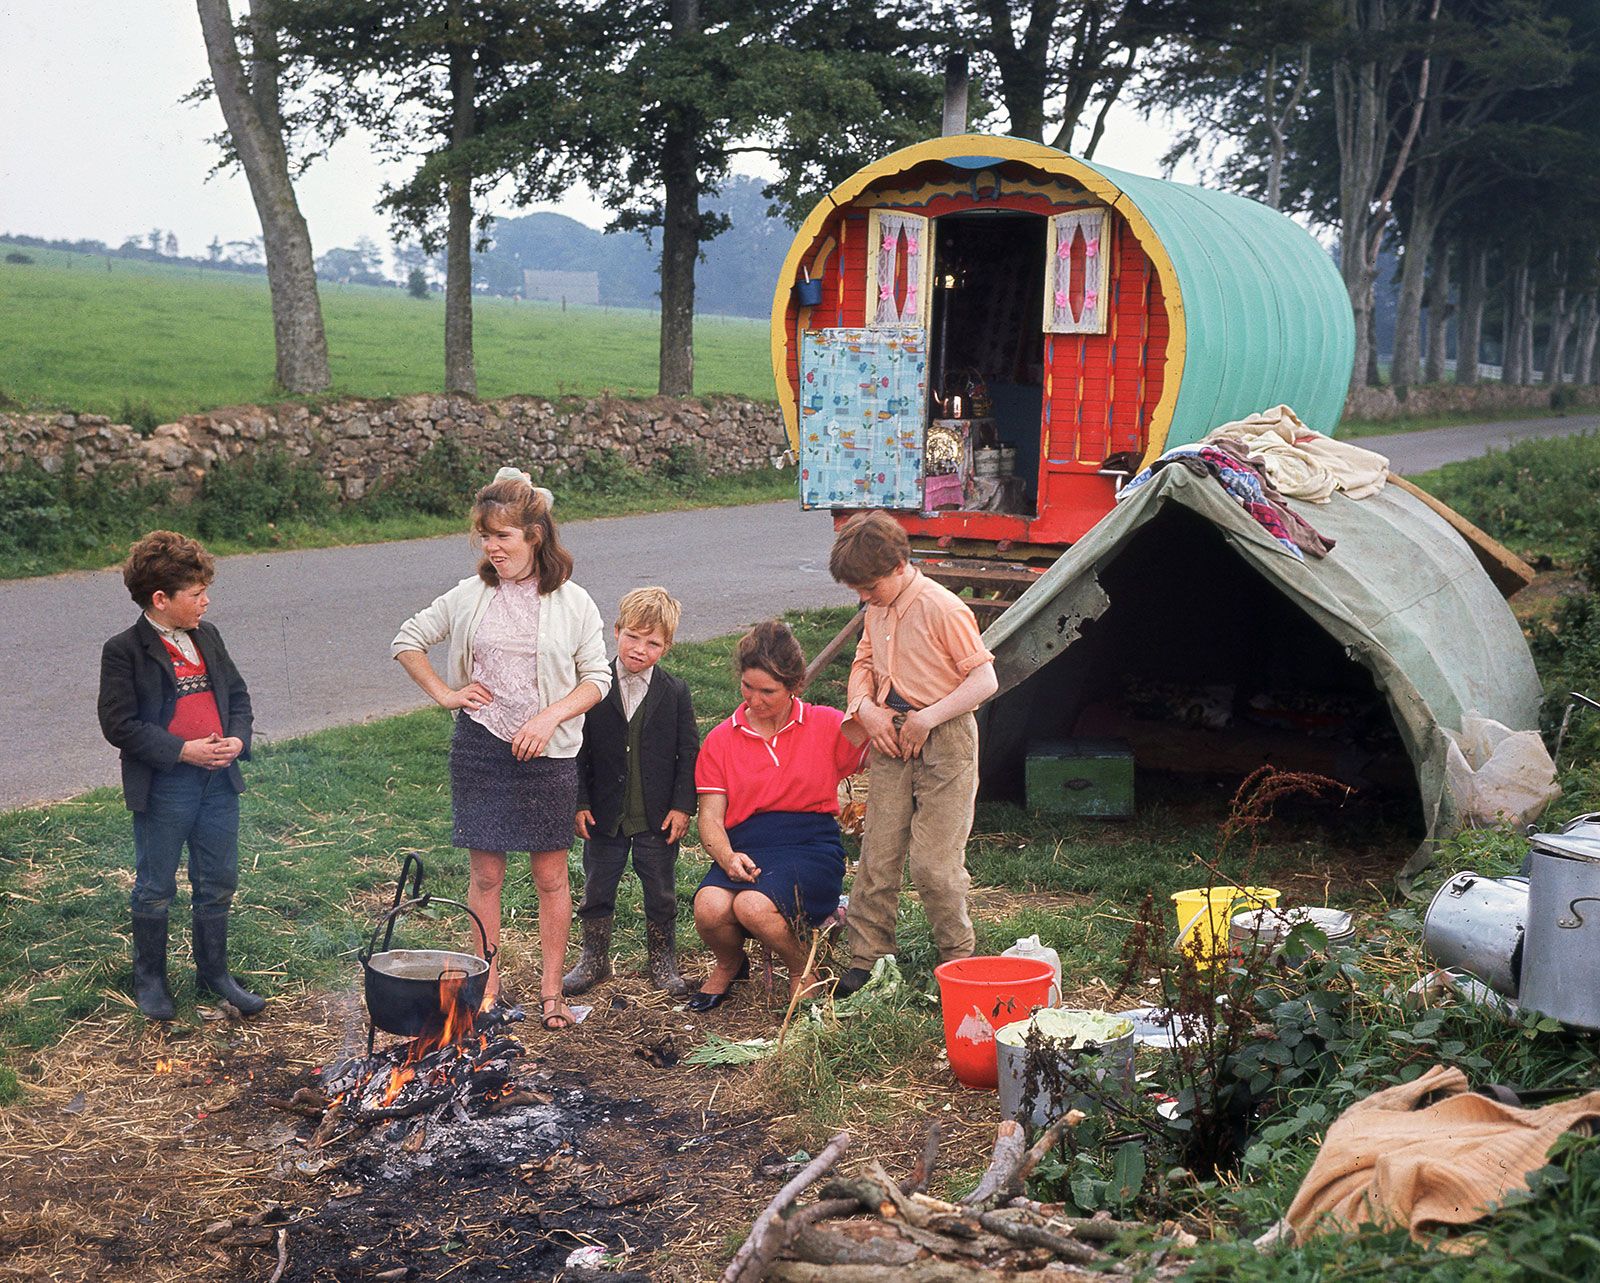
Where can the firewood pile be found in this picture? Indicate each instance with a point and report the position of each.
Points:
(869, 1228)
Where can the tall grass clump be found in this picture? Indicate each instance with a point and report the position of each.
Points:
(440, 485)
(241, 497)
(51, 520)
(1567, 651)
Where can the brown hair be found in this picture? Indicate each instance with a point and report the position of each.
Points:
(165, 561)
(646, 610)
(870, 546)
(771, 647)
(513, 503)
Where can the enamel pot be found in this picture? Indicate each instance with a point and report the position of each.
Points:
(1475, 924)
(1561, 960)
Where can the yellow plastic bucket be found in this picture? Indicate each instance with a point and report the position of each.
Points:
(1204, 914)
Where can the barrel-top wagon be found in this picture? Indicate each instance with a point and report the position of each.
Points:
(983, 335)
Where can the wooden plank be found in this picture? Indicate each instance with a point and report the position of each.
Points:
(1511, 574)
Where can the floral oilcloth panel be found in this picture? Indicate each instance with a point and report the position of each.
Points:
(863, 398)
(1077, 272)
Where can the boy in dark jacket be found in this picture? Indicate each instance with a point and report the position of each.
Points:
(174, 704)
(636, 792)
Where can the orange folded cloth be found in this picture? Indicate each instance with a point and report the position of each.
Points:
(1386, 1162)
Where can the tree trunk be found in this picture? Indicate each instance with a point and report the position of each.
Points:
(250, 111)
(1588, 330)
(680, 230)
(1405, 367)
(1022, 66)
(1514, 361)
(1561, 321)
(1439, 312)
(1469, 328)
(460, 372)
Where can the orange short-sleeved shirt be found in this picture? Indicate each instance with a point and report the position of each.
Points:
(798, 769)
(923, 644)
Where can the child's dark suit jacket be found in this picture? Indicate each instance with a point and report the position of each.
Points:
(669, 744)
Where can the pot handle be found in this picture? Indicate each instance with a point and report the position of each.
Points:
(421, 902)
(1573, 919)
(406, 865)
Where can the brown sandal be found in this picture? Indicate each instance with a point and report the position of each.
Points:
(554, 1020)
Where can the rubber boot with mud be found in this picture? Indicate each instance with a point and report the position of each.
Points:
(150, 967)
(595, 964)
(211, 964)
(662, 938)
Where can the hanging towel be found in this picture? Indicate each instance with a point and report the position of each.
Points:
(1387, 1162)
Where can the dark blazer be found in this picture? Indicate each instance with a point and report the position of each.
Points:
(669, 744)
(139, 694)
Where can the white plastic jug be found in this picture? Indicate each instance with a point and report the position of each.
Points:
(1031, 947)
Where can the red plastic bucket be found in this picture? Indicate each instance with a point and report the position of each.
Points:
(978, 996)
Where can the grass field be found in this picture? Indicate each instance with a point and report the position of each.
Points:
(164, 341)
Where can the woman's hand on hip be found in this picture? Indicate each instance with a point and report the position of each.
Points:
(740, 867)
(472, 697)
(532, 736)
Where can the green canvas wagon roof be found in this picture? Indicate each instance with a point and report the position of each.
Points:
(1402, 595)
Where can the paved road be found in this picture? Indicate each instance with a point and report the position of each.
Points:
(1413, 452)
(311, 630)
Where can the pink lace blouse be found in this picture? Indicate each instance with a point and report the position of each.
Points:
(505, 658)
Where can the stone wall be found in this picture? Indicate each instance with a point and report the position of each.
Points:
(357, 443)
(1511, 400)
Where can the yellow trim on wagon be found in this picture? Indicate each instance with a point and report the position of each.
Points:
(1047, 160)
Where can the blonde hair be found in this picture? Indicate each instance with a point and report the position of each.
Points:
(645, 610)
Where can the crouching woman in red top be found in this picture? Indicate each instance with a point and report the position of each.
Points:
(768, 781)
(174, 704)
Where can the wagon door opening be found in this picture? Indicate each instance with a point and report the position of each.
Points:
(986, 357)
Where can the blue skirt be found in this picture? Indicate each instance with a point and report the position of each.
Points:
(800, 857)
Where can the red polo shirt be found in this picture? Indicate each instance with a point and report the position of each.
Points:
(798, 769)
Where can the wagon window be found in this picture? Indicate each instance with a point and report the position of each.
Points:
(1077, 272)
(899, 255)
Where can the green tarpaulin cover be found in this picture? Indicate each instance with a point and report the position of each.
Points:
(1401, 592)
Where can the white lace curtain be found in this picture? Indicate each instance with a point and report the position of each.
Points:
(1077, 273)
(899, 269)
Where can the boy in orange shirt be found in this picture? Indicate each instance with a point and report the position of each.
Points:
(920, 670)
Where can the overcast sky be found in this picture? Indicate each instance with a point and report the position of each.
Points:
(95, 142)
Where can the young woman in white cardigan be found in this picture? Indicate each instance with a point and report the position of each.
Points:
(526, 660)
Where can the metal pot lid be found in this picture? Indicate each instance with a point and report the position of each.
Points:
(1576, 845)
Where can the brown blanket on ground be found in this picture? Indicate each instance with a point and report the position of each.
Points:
(1386, 1162)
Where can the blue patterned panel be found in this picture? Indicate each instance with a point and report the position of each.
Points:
(863, 402)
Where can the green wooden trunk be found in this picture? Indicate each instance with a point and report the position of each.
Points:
(1081, 777)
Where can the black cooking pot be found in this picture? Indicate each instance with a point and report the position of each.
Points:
(403, 989)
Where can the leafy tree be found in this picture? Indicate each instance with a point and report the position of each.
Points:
(249, 96)
(417, 283)
(214, 250)
(649, 102)
(170, 245)
(419, 74)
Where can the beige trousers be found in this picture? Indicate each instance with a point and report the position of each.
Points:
(919, 812)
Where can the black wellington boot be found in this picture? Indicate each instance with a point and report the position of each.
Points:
(662, 938)
(595, 964)
(211, 964)
(150, 967)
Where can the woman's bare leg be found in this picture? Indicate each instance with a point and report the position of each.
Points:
(760, 917)
(715, 921)
(555, 925)
(487, 877)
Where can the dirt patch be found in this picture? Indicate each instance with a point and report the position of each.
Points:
(136, 1140)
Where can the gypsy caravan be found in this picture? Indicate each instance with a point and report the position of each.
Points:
(984, 336)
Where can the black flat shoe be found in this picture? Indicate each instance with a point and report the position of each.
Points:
(700, 1000)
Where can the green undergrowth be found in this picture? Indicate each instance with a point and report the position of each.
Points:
(51, 522)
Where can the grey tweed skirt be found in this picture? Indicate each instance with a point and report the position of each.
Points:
(500, 804)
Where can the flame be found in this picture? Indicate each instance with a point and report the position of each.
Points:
(398, 1078)
(163, 1067)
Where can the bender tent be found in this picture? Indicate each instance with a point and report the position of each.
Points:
(1179, 587)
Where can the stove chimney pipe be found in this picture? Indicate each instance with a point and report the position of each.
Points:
(955, 94)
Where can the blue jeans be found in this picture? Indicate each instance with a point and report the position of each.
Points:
(188, 805)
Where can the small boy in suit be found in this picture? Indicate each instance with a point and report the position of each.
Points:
(174, 704)
(920, 670)
(636, 792)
